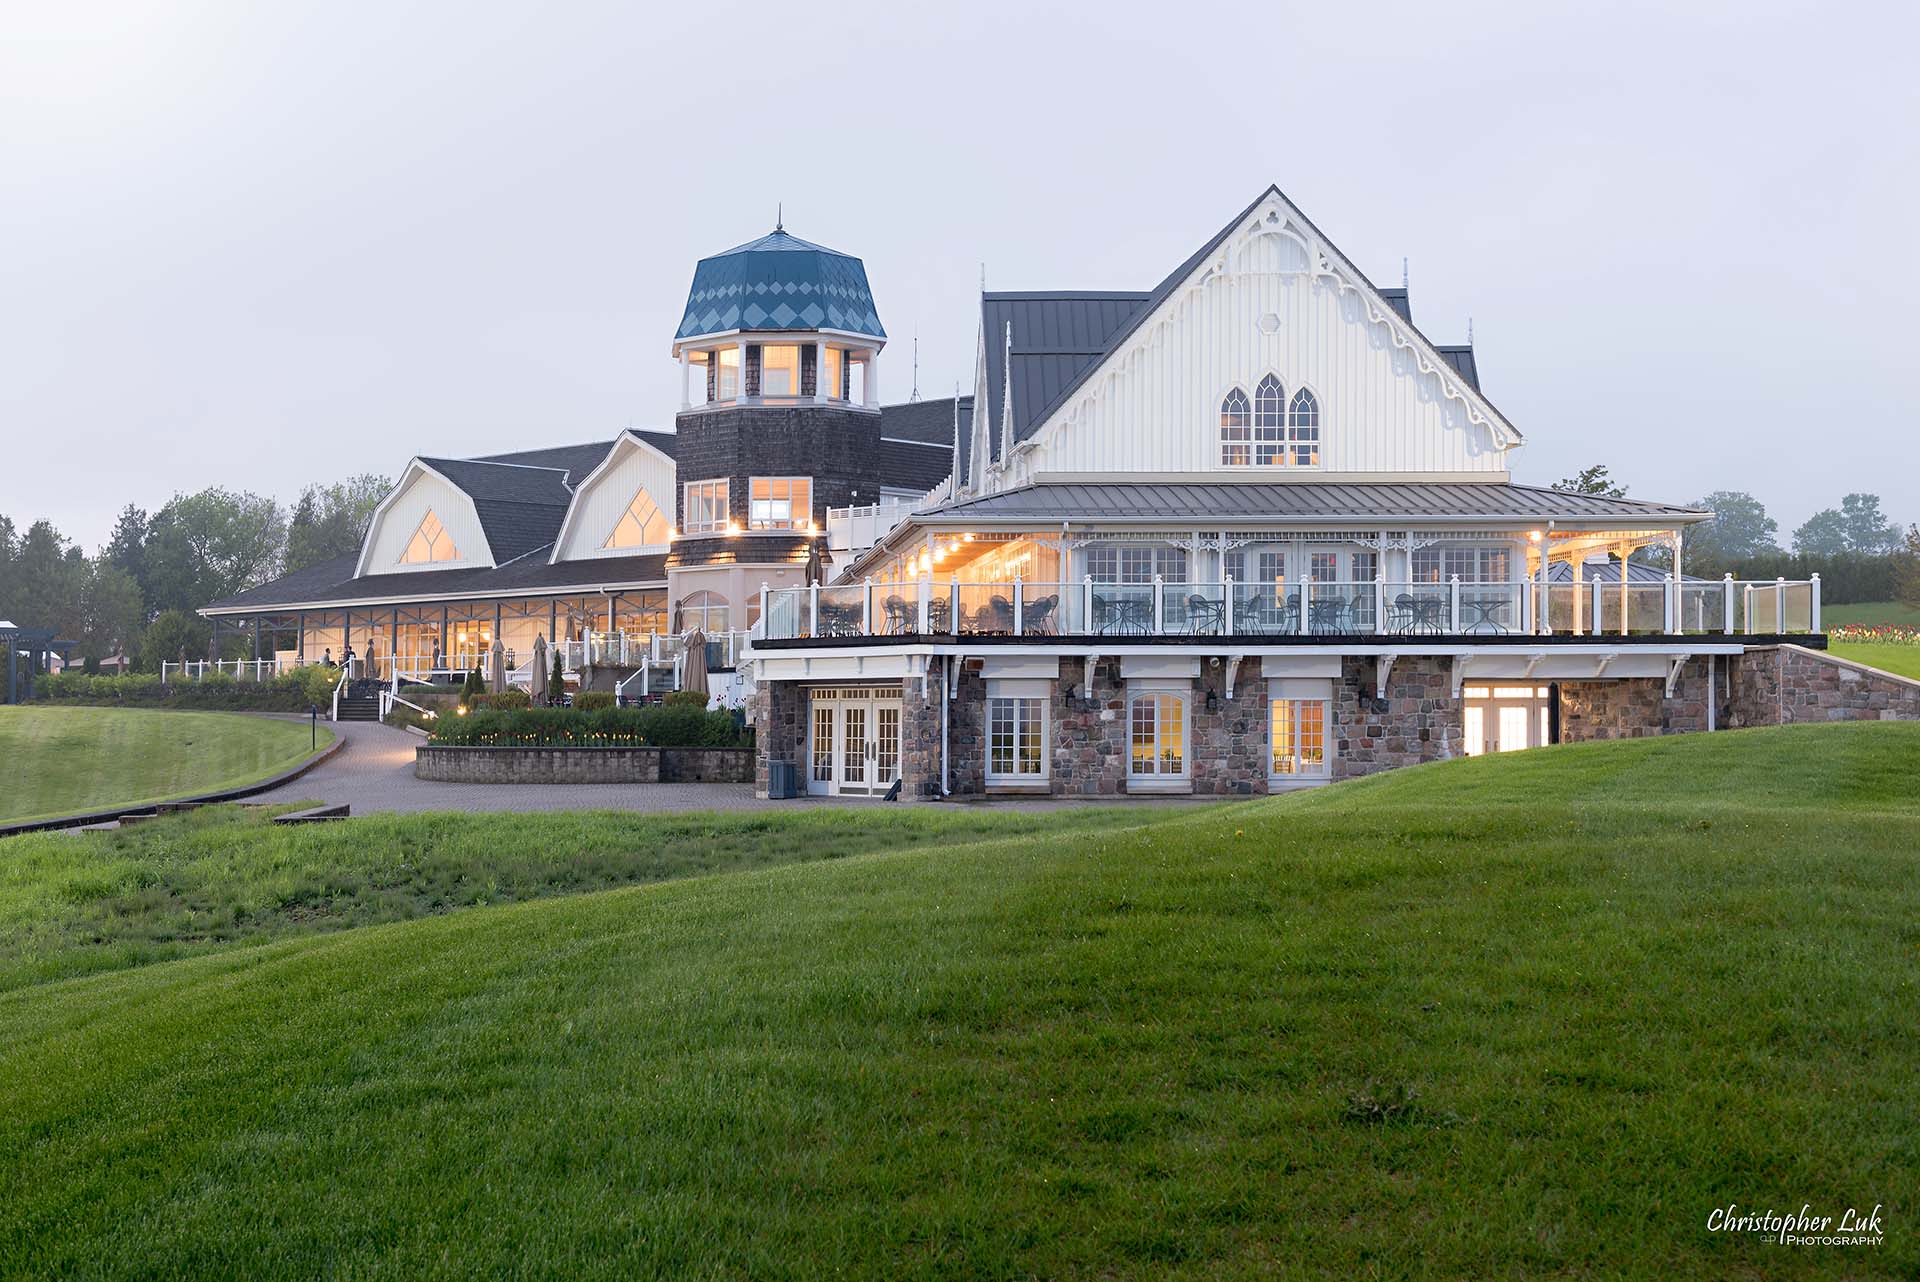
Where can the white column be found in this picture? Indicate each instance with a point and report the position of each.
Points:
(819, 372)
(686, 380)
(873, 379)
(741, 392)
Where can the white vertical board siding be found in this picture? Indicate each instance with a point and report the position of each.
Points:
(1154, 405)
(599, 504)
(420, 492)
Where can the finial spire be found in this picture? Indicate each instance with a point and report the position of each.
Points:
(779, 216)
(1403, 273)
(915, 394)
(1469, 331)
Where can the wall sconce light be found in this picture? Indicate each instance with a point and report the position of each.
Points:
(1213, 700)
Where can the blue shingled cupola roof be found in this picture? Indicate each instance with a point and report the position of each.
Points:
(780, 282)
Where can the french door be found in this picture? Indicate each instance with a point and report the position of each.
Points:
(1504, 718)
(853, 740)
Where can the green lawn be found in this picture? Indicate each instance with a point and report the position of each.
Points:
(1901, 659)
(64, 760)
(1870, 613)
(1526, 1016)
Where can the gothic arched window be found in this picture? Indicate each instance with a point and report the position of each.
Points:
(1236, 418)
(1303, 430)
(1269, 422)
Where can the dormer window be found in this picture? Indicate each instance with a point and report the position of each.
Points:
(430, 543)
(1268, 429)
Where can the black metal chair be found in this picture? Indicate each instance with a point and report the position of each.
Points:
(1205, 616)
(1037, 616)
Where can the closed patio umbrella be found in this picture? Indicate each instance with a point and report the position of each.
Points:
(694, 668)
(538, 688)
(497, 667)
(816, 569)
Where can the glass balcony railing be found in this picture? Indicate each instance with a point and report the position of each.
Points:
(932, 608)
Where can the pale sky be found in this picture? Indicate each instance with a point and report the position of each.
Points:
(257, 245)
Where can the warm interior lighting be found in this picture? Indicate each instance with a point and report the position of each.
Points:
(954, 547)
(1534, 536)
(733, 527)
(967, 537)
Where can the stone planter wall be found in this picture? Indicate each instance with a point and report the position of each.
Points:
(453, 764)
(1789, 685)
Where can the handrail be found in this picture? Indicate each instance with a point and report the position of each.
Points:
(930, 607)
(336, 696)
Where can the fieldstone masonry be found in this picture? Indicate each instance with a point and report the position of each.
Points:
(1790, 685)
(1089, 733)
(779, 711)
(1418, 720)
(1638, 707)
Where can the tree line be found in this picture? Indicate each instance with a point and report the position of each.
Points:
(139, 594)
(1858, 552)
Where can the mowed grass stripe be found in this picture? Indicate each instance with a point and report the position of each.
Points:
(1359, 1033)
(70, 760)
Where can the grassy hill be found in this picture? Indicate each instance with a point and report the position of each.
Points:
(1524, 1016)
(1871, 614)
(65, 760)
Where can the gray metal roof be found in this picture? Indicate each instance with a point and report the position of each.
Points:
(927, 421)
(520, 507)
(1338, 501)
(1461, 358)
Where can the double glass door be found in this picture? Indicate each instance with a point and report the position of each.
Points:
(853, 740)
(1504, 718)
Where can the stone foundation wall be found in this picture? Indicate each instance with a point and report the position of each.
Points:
(1229, 748)
(966, 737)
(778, 712)
(1789, 685)
(1638, 707)
(451, 764)
(1089, 749)
(1418, 720)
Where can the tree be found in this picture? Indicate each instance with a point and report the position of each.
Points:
(1592, 480)
(172, 634)
(112, 615)
(45, 578)
(331, 521)
(1857, 525)
(127, 546)
(206, 546)
(1740, 528)
(1906, 569)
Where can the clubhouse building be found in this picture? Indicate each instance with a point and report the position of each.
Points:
(1246, 529)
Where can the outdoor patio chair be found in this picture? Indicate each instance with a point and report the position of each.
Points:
(900, 615)
(1038, 615)
(1205, 616)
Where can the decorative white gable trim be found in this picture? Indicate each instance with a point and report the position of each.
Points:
(455, 511)
(585, 493)
(1274, 241)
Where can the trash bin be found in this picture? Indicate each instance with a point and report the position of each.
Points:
(783, 780)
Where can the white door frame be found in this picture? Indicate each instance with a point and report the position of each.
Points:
(854, 717)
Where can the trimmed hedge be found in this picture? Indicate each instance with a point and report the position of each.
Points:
(288, 692)
(660, 726)
(593, 700)
(506, 699)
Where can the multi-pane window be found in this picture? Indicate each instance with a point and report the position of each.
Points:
(1299, 737)
(1269, 422)
(779, 371)
(1269, 430)
(706, 507)
(1472, 565)
(832, 374)
(1267, 567)
(1016, 733)
(823, 742)
(1324, 567)
(780, 503)
(724, 374)
(1136, 563)
(641, 525)
(708, 611)
(1158, 735)
(430, 543)
(1303, 430)
(1366, 567)
(1236, 430)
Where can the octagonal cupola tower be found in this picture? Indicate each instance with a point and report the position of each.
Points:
(779, 418)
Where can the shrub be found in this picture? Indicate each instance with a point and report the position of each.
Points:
(660, 726)
(505, 699)
(593, 700)
(291, 691)
(684, 699)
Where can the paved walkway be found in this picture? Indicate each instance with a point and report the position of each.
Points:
(374, 773)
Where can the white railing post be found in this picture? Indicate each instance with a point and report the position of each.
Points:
(763, 603)
(1779, 606)
(866, 607)
(1379, 603)
(1727, 603)
(1672, 587)
(1086, 603)
(1159, 606)
(1306, 606)
(926, 602)
(1813, 616)
(1226, 610)
(953, 606)
(1596, 602)
(813, 595)
(1453, 603)
(1019, 609)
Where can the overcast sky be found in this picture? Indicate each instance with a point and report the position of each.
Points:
(257, 245)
